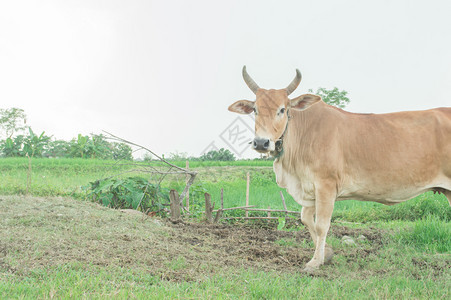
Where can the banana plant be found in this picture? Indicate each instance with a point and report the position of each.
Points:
(34, 144)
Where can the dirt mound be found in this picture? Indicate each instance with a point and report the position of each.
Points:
(44, 233)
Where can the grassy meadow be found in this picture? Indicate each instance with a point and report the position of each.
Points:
(55, 244)
(67, 177)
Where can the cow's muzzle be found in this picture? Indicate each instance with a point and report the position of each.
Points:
(261, 144)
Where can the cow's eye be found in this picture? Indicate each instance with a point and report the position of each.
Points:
(282, 110)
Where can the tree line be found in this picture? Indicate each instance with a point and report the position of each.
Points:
(19, 140)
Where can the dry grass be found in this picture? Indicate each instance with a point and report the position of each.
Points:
(45, 232)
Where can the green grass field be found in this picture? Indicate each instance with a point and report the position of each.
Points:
(65, 247)
(66, 177)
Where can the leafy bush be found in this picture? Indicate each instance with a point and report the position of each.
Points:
(131, 193)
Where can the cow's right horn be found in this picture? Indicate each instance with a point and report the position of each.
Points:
(294, 84)
(249, 81)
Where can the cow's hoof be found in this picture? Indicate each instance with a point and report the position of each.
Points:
(308, 269)
(311, 266)
(328, 254)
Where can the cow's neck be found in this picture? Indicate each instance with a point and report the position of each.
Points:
(298, 136)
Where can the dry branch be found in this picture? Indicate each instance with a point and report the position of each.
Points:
(150, 151)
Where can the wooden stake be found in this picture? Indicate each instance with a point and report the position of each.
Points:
(218, 216)
(208, 208)
(28, 174)
(175, 205)
(247, 194)
(187, 193)
(269, 211)
(220, 211)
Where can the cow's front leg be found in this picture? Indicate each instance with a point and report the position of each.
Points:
(308, 219)
(324, 205)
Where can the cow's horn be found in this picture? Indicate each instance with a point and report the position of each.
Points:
(249, 81)
(294, 84)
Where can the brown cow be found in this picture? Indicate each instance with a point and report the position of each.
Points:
(324, 154)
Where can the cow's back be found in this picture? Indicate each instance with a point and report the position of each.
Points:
(395, 156)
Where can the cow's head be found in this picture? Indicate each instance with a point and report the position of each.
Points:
(271, 110)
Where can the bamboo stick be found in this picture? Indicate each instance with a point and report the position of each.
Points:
(239, 207)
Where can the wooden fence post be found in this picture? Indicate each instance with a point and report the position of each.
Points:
(219, 212)
(246, 214)
(187, 193)
(175, 205)
(208, 208)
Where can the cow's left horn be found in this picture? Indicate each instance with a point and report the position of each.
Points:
(249, 81)
(294, 84)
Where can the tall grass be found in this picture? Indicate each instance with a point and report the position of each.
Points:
(428, 234)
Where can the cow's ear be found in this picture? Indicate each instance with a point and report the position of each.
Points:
(242, 107)
(304, 101)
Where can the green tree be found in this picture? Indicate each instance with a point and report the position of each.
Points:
(122, 151)
(333, 97)
(177, 156)
(57, 148)
(12, 120)
(221, 154)
(98, 147)
(147, 157)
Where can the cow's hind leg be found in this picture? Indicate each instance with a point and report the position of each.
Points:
(324, 204)
(448, 195)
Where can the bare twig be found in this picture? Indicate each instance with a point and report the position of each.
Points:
(150, 151)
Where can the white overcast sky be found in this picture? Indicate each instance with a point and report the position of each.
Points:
(162, 73)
